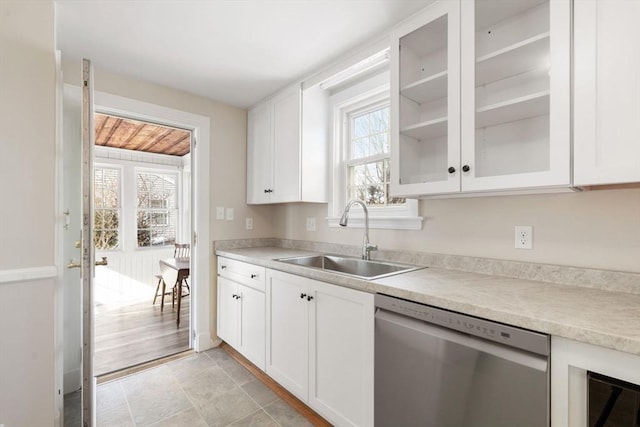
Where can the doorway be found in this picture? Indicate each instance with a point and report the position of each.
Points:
(69, 194)
(142, 199)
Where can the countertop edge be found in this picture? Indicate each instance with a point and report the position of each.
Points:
(571, 329)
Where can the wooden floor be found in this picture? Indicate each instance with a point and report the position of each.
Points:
(134, 334)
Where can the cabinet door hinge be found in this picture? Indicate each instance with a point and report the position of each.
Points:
(195, 238)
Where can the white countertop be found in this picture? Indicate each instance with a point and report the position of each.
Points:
(600, 317)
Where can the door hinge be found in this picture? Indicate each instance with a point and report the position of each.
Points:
(195, 238)
(195, 143)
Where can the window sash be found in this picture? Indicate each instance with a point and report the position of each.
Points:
(157, 204)
(107, 182)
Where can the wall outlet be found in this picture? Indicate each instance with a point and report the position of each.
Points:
(311, 223)
(229, 214)
(248, 223)
(219, 212)
(524, 237)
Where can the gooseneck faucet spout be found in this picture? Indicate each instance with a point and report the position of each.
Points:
(366, 246)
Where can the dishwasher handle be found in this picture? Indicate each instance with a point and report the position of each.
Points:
(533, 361)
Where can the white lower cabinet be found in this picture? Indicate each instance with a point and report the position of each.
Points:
(570, 363)
(320, 346)
(241, 309)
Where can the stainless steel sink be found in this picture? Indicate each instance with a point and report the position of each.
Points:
(356, 267)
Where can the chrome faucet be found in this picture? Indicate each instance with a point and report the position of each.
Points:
(366, 246)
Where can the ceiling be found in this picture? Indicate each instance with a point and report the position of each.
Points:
(128, 134)
(233, 51)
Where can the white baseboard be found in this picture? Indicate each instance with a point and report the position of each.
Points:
(204, 342)
(72, 381)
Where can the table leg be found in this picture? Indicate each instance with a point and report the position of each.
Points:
(179, 286)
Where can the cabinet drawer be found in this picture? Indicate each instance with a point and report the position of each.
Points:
(242, 272)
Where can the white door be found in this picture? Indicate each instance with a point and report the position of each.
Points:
(228, 316)
(87, 247)
(341, 382)
(252, 324)
(259, 154)
(285, 116)
(288, 331)
(607, 92)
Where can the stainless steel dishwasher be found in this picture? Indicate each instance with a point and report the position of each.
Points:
(436, 368)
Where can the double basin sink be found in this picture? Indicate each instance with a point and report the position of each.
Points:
(355, 267)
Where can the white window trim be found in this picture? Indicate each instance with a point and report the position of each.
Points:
(389, 217)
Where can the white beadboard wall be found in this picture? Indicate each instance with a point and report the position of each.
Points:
(129, 277)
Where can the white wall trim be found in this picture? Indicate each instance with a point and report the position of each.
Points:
(28, 274)
(201, 126)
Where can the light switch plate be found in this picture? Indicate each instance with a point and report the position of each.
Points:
(219, 212)
(248, 223)
(229, 214)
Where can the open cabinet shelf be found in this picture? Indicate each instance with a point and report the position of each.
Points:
(525, 107)
(512, 60)
(427, 89)
(426, 130)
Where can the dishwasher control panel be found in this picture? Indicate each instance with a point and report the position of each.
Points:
(497, 332)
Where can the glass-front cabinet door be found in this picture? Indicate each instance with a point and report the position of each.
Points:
(480, 98)
(425, 93)
(515, 94)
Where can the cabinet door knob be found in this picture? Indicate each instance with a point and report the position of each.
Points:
(466, 168)
(253, 276)
(309, 298)
(303, 295)
(223, 266)
(451, 169)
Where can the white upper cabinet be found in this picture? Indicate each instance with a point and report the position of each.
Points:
(607, 92)
(425, 102)
(488, 108)
(280, 167)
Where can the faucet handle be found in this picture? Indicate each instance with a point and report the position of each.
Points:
(371, 247)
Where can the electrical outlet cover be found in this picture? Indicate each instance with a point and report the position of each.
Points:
(248, 223)
(311, 223)
(523, 237)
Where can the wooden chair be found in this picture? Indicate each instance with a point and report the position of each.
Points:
(181, 251)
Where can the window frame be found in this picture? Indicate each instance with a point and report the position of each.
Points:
(177, 194)
(398, 217)
(120, 209)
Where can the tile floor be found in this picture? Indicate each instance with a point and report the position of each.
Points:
(205, 389)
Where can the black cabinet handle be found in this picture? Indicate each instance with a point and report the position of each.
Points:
(223, 266)
(303, 296)
(466, 168)
(451, 169)
(253, 276)
(309, 298)
(234, 296)
(268, 190)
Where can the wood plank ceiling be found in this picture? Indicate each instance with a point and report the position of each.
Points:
(127, 134)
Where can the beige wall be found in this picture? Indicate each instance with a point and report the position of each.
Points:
(27, 123)
(228, 146)
(596, 229)
(27, 236)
